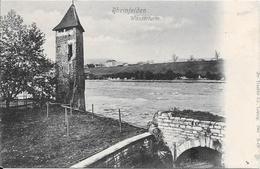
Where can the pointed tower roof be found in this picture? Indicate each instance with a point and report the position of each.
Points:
(70, 20)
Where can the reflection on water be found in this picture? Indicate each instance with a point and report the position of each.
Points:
(138, 101)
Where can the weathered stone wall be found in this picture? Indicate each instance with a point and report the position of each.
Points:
(130, 153)
(80, 96)
(182, 133)
(70, 72)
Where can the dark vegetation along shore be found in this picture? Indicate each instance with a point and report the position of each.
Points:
(29, 139)
(210, 70)
(199, 115)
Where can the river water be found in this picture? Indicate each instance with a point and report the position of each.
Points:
(138, 101)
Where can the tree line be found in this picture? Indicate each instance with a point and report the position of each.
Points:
(168, 75)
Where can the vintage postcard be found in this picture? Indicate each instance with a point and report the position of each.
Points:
(129, 84)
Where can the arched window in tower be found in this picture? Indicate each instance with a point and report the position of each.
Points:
(69, 51)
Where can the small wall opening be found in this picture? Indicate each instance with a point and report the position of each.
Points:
(199, 157)
(69, 68)
(69, 51)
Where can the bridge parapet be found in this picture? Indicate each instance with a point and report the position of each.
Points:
(183, 130)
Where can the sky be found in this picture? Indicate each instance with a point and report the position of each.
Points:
(181, 28)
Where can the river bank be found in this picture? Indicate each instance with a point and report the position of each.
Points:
(30, 139)
(166, 81)
(213, 70)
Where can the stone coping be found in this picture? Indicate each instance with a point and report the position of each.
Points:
(118, 146)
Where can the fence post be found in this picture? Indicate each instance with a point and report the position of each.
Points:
(67, 121)
(26, 102)
(70, 109)
(92, 110)
(174, 151)
(120, 125)
(47, 104)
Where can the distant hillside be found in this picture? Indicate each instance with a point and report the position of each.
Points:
(191, 69)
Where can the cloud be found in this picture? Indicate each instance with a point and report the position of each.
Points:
(104, 39)
(46, 21)
(49, 47)
(122, 27)
(117, 36)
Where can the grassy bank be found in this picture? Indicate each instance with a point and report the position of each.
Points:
(29, 139)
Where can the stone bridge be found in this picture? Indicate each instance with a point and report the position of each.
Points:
(184, 130)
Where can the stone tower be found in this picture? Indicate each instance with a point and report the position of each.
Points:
(70, 60)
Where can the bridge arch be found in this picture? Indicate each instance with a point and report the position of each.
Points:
(185, 130)
(199, 157)
(204, 141)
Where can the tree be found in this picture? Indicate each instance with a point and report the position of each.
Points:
(22, 61)
(174, 57)
(90, 66)
(191, 58)
(170, 75)
(190, 75)
(214, 76)
(148, 75)
(217, 55)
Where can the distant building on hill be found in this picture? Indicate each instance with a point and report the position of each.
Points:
(125, 64)
(99, 65)
(110, 63)
(141, 63)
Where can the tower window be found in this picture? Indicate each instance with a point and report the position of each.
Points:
(69, 68)
(58, 48)
(69, 52)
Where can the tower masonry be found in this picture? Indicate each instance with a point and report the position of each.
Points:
(70, 60)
